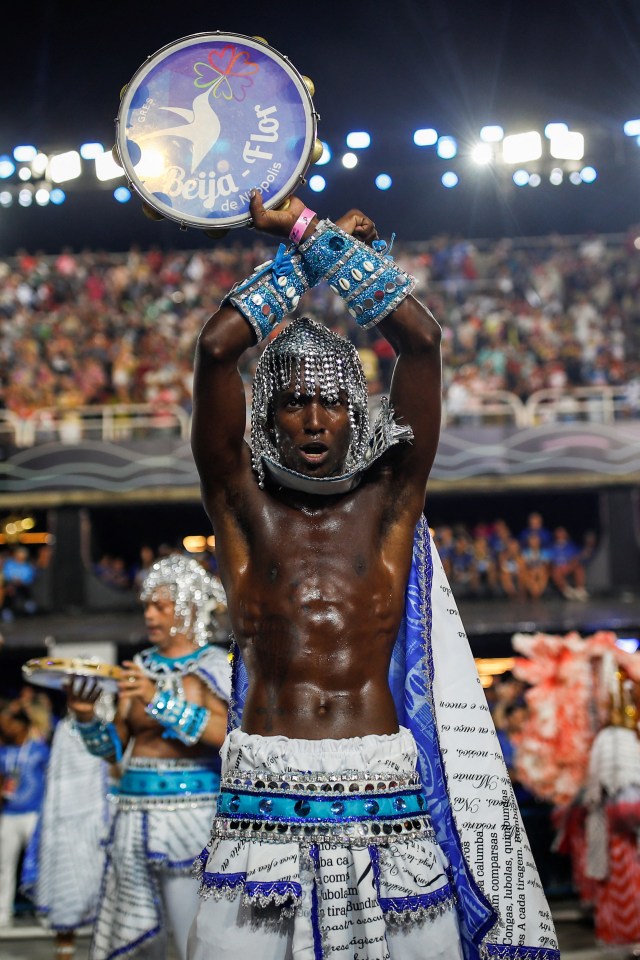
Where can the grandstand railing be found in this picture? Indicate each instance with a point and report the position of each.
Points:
(116, 422)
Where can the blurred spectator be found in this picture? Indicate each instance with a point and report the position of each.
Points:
(23, 764)
(567, 570)
(484, 574)
(462, 565)
(535, 525)
(19, 575)
(140, 570)
(535, 567)
(444, 542)
(112, 571)
(510, 569)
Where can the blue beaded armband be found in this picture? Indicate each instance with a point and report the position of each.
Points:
(101, 739)
(184, 721)
(273, 290)
(371, 284)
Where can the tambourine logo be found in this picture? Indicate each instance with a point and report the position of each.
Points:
(207, 121)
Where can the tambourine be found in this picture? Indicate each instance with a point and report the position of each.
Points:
(209, 117)
(54, 672)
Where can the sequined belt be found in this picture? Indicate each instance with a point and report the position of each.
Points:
(322, 805)
(161, 785)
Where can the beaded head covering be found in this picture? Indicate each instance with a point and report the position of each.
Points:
(307, 355)
(194, 592)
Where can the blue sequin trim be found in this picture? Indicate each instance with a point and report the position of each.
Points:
(305, 808)
(167, 783)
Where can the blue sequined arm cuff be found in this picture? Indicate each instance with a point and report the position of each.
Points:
(183, 721)
(371, 284)
(101, 739)
(273, 290)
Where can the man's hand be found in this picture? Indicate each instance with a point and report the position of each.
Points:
(358, 224)
(82, 694)
(279, 223)
(136, 685)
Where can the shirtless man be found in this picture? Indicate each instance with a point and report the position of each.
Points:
(315, 537)
(172, 713)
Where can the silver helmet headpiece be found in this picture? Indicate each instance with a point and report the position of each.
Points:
(194, 592)
(307, 355)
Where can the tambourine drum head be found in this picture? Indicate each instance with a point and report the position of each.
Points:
(207, 118)
(55, 673)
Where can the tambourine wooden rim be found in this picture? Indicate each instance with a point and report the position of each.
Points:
(242, 154)
(55, 671)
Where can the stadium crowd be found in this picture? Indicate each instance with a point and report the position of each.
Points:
(90, 328)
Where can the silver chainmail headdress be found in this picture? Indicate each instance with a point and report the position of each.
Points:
(194, 592)
(307, 355)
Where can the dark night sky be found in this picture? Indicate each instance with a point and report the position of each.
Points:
(386, 67)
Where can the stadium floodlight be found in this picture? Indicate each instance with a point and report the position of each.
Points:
(553, 129)
(42, 197)
(25, 153)
(449, 179)
(64, 166)
(5, 198)
(107, 168)
(522, 147)
(632, 128)
(122, 194)
(317, 183)
(25, 197)
(482, 154)
(575, 178)
(358, 140)
(24, 173)
(326, 155)
(425, 137)
(7, 167)
(491, 134)
(39, 164)
(535, 180)
(89, 151)
(58, 196)
(383, 181)
(447, 148)
(588, 174)
(521, 178)
(556, 177)
(349, 161)
(568, 145)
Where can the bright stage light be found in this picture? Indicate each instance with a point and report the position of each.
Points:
(447, 148)
(568, 145)
(588, 174)
(7, 167)
(482, 154)
(553, 129)
(5, 198)
(89, 151)
(24, 173)
(326, 155)
(39, 164)
(556, 176)
(25, 198)
(358, 140)
(522, 147)
(42, 197)
(425, 137)
(449, 179)
(25, 153)
(521, 178)
(150, 164)
(317, 183)
(107, 168)
(491, 134)
(575, 178)
(58, 196)
(349, 161)
(122, 194)
(383, 181)
(64, 166)
(632, 128)
(534, 180)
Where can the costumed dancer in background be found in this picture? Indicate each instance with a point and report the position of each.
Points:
(73, 824)
(171, 720)
(365, 806)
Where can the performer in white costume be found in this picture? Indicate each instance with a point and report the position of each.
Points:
(171, 720)
(73, 824)
(365, 807)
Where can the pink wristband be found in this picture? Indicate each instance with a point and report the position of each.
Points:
(301, 225)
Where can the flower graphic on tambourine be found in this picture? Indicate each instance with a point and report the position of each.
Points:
(228, 73)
